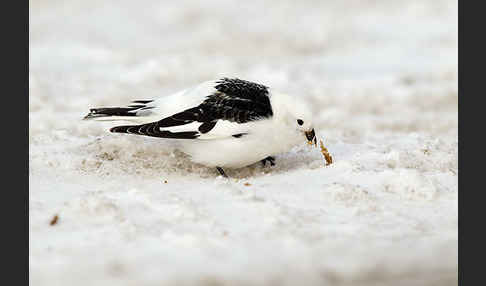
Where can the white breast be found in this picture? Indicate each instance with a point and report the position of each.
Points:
(264, 138)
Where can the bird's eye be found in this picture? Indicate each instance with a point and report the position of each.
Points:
(300, 122)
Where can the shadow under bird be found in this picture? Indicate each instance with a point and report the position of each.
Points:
(225, 123)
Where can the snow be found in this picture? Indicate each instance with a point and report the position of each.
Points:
(381, 77)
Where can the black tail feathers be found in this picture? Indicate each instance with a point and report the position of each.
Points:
(118, 111)
(111, 111)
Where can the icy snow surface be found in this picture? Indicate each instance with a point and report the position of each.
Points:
(381, 77)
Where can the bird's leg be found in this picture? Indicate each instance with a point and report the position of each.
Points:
(269, 159)
(221, 171)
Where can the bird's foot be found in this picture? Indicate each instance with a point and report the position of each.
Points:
(269, 159)
(221, 171)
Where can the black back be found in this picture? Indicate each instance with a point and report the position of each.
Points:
(238, 101)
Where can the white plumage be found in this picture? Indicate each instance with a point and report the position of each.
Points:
(222, 123)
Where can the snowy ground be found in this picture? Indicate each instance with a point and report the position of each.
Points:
(381, 77)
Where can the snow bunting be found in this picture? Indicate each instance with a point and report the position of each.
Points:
(229, 123)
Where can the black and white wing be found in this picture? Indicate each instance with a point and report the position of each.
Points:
(231, 103)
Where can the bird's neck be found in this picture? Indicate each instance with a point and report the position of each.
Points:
(280, 106)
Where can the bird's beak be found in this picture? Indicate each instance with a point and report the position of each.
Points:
(311, 137)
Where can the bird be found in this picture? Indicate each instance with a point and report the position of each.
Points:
(224, 123)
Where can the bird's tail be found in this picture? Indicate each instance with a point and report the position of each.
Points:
(133, 112)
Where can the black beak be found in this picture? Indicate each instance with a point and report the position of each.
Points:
(311, 136)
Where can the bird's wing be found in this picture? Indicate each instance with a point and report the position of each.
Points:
(231, 105)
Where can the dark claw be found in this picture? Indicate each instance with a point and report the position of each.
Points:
(221, 171)
(269, 159)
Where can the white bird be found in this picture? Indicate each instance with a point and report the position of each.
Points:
(229, 123)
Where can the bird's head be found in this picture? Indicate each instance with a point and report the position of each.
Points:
(296, 115)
